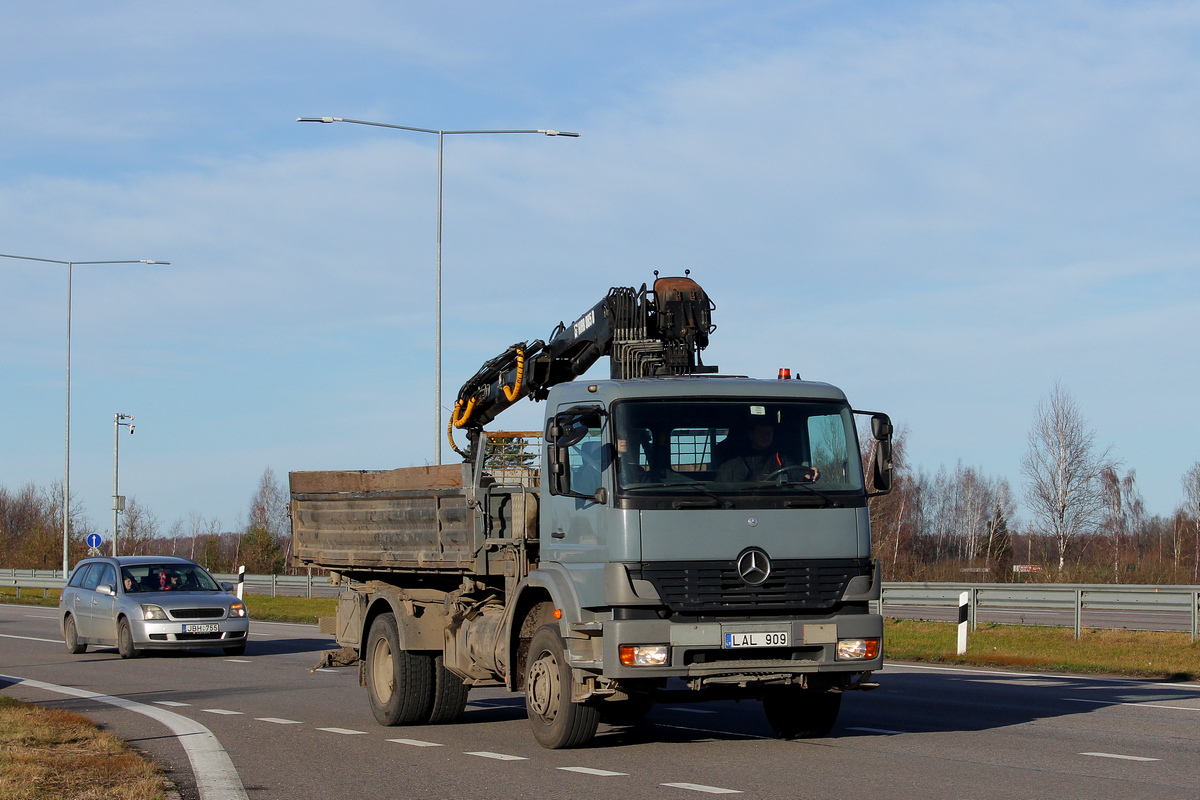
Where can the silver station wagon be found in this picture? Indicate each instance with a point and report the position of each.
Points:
(150, 602)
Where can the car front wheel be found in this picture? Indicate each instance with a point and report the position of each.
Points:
(125, 640)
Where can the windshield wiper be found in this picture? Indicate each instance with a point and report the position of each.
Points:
(721, 501)
(806, 485)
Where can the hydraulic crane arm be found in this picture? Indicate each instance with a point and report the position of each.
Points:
(644, 333)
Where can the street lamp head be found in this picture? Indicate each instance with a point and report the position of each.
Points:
(559, 133)
(318, 119)
(147, 261)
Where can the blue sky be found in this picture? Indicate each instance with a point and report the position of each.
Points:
(942, 208)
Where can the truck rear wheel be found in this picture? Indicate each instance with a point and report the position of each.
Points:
(557, 722)
(449, 695)
(796, 713)
(399, 682)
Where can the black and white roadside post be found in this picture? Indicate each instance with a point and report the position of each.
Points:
(964, 601)
(241, 580)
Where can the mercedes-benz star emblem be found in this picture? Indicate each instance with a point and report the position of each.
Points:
(753, 566)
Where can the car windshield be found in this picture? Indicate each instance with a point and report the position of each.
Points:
(167, 578)
(762, 446)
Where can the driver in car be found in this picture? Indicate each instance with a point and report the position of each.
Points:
(763, 461)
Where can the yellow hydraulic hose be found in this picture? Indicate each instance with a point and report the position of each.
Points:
(513, 393)
(450, 436)
(461, 414)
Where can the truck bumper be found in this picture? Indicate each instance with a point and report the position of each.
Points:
(701, 653)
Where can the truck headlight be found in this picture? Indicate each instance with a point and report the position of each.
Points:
(237, 610)
(857, 649)
(644, 655)
(150, 611)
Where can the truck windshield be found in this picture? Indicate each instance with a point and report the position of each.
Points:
(736, 447)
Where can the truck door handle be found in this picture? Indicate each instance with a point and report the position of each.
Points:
(559, 534)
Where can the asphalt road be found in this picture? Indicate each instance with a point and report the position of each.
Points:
(927, 732)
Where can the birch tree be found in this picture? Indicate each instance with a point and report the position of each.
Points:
(1063, 468)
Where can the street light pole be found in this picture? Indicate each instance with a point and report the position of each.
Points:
(118, 501)
(441, 134)
(66, 511)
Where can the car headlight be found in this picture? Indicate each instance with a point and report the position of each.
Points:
(857, 649)
(237, 610)
(644, 655)
(150, 611)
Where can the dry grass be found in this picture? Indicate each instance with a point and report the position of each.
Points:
(1142, 654)
(47, 754)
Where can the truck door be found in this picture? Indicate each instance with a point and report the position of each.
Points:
(578, 496)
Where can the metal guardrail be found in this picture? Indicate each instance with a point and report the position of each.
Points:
(1078, 597)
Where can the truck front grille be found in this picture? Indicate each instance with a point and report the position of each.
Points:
(714, 587)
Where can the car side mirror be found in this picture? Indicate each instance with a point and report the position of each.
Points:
(106, 588)
(227, 587)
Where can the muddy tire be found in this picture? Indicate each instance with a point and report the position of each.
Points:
(71, 636)
(796, 713)
(557, 722)
(399, 682)
(449, 695)
(125, 640)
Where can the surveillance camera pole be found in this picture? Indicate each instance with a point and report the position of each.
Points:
(118, 501)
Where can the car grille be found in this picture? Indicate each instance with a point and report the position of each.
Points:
(196, 613)
(714, 587)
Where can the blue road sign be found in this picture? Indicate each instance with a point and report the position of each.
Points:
(93, 540)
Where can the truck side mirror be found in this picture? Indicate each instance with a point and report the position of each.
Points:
(881, 427)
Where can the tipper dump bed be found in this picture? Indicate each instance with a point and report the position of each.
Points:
(410, 519)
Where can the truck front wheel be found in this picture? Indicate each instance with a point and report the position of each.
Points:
(796, 713)
(557, 722)
(399, 683)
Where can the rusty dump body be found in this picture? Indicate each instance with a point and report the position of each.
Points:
(414, 519)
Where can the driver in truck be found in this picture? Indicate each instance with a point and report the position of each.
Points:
(763, 461)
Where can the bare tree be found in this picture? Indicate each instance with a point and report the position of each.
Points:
(1124, 510)
(1191, 490)
(1063, 470)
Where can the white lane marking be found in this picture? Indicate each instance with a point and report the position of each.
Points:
(589, 771)
(279, 720)
(171, 703)
(1076, 678)
(883, 731)
(498, 756)
(31, 638)
(1118, 755)
(225, 711)
(326, 669)
(1118, 703)
(690, 710)
(415, 743)
(239, 661)
(216, 777)
(39, 616)
(345, 731)
(699, 787)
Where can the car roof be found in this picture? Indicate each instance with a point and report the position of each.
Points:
(133, 561)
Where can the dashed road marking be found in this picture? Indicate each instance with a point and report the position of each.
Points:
(239, 661)
(589, 771)
(279, 720)
(497, 756)
(699, 787)
(222, 711)
(171, 704)
(1118, 755)
(882, 731)
(1138, 705)
(30, 638)
(345, 731)
(415, 743)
